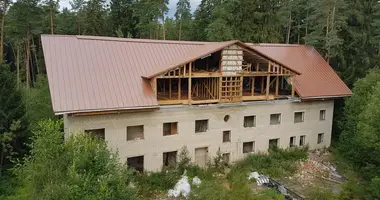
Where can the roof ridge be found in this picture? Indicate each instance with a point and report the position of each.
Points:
(103, 38)
(276, 44)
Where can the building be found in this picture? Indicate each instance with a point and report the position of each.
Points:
(149, 98)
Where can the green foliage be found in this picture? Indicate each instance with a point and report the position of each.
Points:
(81, 168)
(320, 194)
(279, 163)
(152, 183)
(37, 101)
(13, 125)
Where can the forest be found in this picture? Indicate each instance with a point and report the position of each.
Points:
(345, 32)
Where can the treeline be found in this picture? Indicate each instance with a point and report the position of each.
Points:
(347, 33)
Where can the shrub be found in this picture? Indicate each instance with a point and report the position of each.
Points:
(81, 168)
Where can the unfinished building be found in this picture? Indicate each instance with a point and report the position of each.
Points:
(150, 98)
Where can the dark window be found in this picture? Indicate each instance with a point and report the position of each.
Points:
(136, 163)
(226, 136)
(201, 126)
(100, 133)
(322, 115)
(273, 143)
(170, 158)
(248, 147)
(249, 121)
(320, 138)
(135, 132)
(292, 141)
(170, 128)
(275, 119)
(298, 117)
(302, 140)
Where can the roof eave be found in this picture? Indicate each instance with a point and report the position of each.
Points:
(326, 97)
(116, 110)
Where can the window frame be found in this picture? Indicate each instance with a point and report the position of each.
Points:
(249, 116)
(322, 115)
(320, 139)
(229, 136)
(302, 117)
(207, 125)
(279, 119)
(170, 124)
(304, 140)
(126, 133)
(253, 147)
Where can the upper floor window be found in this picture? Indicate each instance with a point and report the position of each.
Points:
(249, 121)
(322, 115)
(100, 133)
(170, 128)
(201, 125)
(275, 119)
(299, 117)
(135, 132)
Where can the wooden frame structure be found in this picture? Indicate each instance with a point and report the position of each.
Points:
(242, 75)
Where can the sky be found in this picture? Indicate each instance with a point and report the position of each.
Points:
(172, 5)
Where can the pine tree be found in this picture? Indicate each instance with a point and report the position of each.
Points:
(13, 124)
(202, 19)
(121, 17)
(183, 19)
(95, 18)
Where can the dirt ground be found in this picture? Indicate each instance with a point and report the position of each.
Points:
(317, 171)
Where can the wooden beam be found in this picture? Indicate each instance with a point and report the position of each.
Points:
(292, 86)
(170, 88)
(277, 83)
(268, 82)
(253, 86)
(179, 89)
(189, 83)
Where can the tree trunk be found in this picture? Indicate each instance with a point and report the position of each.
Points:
(163, 25)
(180, 29)
(158, 28)
(35, 55)
(51, 21)
(18, 66)
(2, 37)
(299, 33)
(307, 22)
(27, 58)
(289, 28)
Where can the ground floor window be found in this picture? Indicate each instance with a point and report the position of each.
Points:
(320, 138)
(302, 140)
(248, 147)
(292, 142)
(136, 163)
(226, 157)
(100, 133)
(170, 158)
(273, 143)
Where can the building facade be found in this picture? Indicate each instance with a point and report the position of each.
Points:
(148, 99)
(230, 128)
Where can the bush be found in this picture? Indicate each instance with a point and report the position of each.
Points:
(150, 184)
(80, 168)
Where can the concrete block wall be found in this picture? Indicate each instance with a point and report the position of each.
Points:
(155, 144)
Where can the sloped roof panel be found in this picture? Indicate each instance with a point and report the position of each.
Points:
(317, 78)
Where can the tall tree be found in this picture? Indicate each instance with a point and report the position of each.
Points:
(183, 18)
(121, 17)
(95, 15)
(53, 8)
(13, 123)
(327, 19)
(4, 4)
(202, 18)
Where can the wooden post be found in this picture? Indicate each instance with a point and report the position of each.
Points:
(292, 86)
(253, 86)
(179, 88)
(257, 67)
(268, 83)
(277, 83)
(170, 88)
(262, 85)
(155, 88)
(189, 84)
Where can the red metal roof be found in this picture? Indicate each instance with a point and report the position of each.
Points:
(317, 78)
(88, 73)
